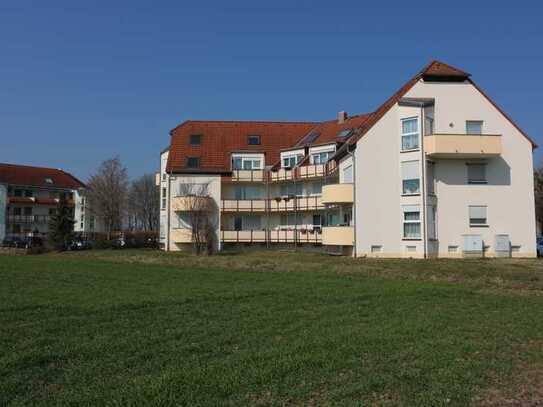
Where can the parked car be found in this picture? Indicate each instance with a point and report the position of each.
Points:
(539, 246)
(79, 244)
(16, 242)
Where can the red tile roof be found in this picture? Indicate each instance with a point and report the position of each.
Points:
(36, 176)
(220, 138)
(328, 131)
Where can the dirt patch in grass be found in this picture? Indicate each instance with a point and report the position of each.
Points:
(525, 385)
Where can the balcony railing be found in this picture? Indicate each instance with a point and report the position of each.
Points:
(284, 174)
(28, 219)
(338, 235)
(303, 203)
(272, 236)
(463, 145)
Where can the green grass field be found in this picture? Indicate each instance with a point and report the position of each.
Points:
(268, 328)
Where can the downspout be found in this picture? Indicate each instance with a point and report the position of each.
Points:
(423, 186)
(168, 231)
(354, 199)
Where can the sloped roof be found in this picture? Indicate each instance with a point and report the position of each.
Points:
(221, 138)
(434, 70)
(25, 175)
(328, 131)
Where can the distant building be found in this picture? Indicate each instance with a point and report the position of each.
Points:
(30, 195)
(437, 170)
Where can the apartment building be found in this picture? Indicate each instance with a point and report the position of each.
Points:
(437, 170)
(29, 197)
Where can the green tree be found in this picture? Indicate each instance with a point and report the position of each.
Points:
(61, 225)
(538, 185)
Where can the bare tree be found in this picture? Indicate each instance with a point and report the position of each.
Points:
(201, 216)
(144, 203)
(107, 193)
(538, 185)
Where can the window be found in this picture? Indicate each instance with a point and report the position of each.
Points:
(18, 192)
(321, 158)
(348, 174)
(48, 180)
(291, 189)
(476, 173)
(291, 161)
(290, 220)
(195, 139)
(163, 200)
(28, 211)
(317, 220)
(183, 220)
(193, 162)
(428, 125)
(310, 138)
(347, 216)
(246, 163)
(248, 192)
(344, 133)
(411, 222)
(28, 193)
(452, 249)
(410, 177)
(410, 134)
(253, 140)
(316, 188)
(164, 177)
(248, 222)
(474, 127)
(477, 216)
(376, 248)
(430, 177)
(91, 223)
(333, 219)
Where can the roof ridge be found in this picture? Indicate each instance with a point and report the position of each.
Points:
(34, 166)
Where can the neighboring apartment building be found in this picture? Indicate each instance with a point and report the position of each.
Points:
(437, 170)
(29, 196)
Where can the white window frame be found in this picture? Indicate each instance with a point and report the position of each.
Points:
(478, 224)
(405, 135)
(321, 157)
(411, 209)
(481, 122)
(292, 159)
(410, 179)
(254, 161)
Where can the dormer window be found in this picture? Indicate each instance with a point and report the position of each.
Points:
(253, 140)
(193, 162)
(48, 180)
(247, 162)
(195, 139)
(292, 161)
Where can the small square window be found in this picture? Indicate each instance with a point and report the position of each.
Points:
(48, 180)
(477, 173)
(477, 216)
(253, 140)
(474, 127)
(195, 139)
(193, 162)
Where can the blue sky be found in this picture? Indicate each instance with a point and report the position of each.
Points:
(84, 81)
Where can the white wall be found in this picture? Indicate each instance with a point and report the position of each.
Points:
(509, 193)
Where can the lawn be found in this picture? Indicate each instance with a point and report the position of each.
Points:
(143, 327)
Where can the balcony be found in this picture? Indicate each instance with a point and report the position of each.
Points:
(337, 194)
(274, 236)
(41, 219)
(192, 203)
(300, 203)
(338, 235)
(248, 175)
(463, 145)
(181, 235)
(243, 205)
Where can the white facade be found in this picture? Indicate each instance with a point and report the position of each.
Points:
(507, 193)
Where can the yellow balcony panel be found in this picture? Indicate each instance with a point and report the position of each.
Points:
(463, 145)
(244, 236)
(248, 175)
(301, 203)
(191, 203)
(337, 194)
(243, 205)
(181, 235)
(338, 235)
(311, 171)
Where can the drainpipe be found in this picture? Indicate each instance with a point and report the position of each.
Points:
(350, 153)
(168, 231)
(423, 186)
